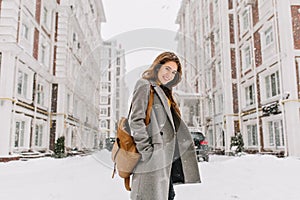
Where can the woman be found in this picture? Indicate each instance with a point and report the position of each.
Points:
(166, 147)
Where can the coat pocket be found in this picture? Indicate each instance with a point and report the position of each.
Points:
(157, 138)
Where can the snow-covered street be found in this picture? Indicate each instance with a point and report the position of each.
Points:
(247, 177)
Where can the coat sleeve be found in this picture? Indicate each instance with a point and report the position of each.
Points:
(137, 120)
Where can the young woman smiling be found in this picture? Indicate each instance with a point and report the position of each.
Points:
(165, 144)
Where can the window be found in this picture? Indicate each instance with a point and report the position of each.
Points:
(118, 61)
(252, 135)
(206, 25)
(219, 103)
(220, 139)
(73, 139)
(92, 8)
(117, 92)
(46, 16)
(75, 109)
(276, 137)
(40, 94)
(104, 87)
(25, 31)
(22, 84)
(246, 58)
(118, 104)
(272, 85)
(68, 108)
(103, 111)
(31, 6)
(219, 67)
(217, 37)
(245, 20)
(104, 76)
(74, 37)
(44, 51)
(38, 136)
(208, 79)
(19, 133)
(216, 4)
(269, 36)
(117, 114)
(103, 99)
(209, 110)
(103, 124)
(210, 137)
(207, 51)
(250, 95)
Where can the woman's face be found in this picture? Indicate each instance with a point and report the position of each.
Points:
(167, 72)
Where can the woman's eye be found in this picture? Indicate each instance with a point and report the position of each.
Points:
(170, 70)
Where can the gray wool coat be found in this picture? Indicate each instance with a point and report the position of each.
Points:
(156, 144)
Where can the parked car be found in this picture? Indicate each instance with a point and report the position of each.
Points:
(201, 145)
(109, 142)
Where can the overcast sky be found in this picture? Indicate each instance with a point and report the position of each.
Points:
(143, 27)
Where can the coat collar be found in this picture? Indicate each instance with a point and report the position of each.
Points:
(164, 99)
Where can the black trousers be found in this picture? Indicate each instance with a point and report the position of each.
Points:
(171, 190)
(177, 175)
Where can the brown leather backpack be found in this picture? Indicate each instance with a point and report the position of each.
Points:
(124, 153)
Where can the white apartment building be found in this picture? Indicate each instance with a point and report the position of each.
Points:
(113, 89)
(49, 75)
(248, 72)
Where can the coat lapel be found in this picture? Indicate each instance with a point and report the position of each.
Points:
(160, 93)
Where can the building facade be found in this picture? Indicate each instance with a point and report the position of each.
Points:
(247, 55)
(114, 92)
(49, 74)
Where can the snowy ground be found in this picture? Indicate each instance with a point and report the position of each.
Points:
(249, 177)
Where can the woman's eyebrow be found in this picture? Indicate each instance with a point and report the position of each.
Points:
(169, 68)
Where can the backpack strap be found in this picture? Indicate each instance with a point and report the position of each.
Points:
(127, 183)
(149, 107)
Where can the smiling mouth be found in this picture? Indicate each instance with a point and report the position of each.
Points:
(165, 79)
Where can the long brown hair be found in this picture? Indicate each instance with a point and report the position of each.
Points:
(151, 74)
